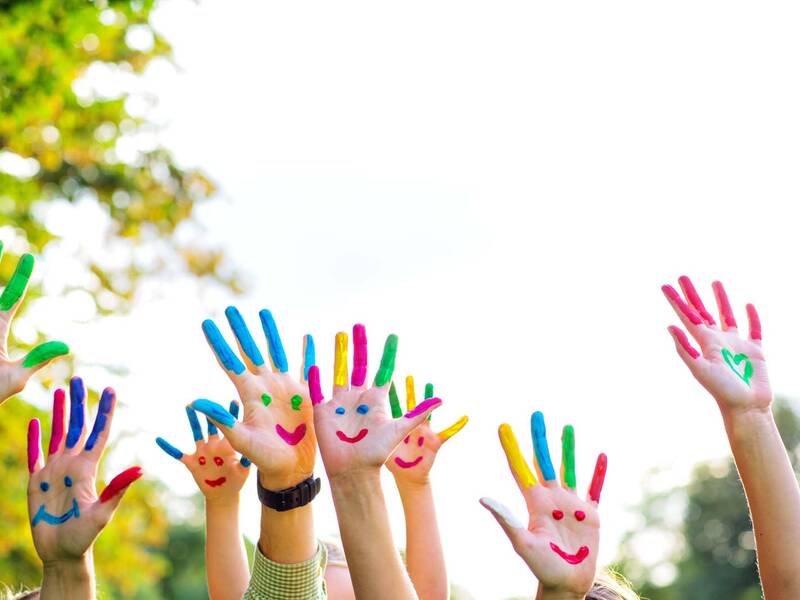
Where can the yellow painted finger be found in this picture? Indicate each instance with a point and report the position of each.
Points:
(340, 360)
(411, 397)
(446, 434)
(520, 469)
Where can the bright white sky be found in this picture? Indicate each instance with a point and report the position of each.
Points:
(505, 185)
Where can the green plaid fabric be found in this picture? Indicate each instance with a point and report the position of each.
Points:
(300, 581)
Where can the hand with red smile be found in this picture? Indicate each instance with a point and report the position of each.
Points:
(561, 539)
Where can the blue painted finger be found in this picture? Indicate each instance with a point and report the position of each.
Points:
(242, 334)
(245, 461)
(169, 448)
(101, 420)
(224, 353)
(234, 409)
(539, 434)
(274, 340)
(309, 357)
(214, 411)
(77, 395)
(212, 429)
(194, 423)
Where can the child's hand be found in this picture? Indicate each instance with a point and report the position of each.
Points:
(412, 460)
(14, 374)
(65, 510)
(277, 432)
(217, 469)
(561, 540)
(732, 369)
(353, 429)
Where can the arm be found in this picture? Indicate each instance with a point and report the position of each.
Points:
(70, 579)
(227, 571)
(734, 372)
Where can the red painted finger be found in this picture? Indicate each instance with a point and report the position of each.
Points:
(598, 478)
(120, 483)
(57, 426)
(755, 322)
(694, 299)
(314, 387)
(674, 297)
(725, 311)
(34, 444)
(680, 337)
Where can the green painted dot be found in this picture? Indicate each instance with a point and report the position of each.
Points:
(266, 399)
(296, 402)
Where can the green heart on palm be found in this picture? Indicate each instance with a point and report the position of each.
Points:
(735, 362)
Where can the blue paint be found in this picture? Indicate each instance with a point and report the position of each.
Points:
(212, 429)
(43, 515)
(539, 434)
(362, 409)
(340, 410)
(194, 423)
(44, 486)
(245, 461)
(76, 398)
(234, 409)
(68, 481)
(100, 421)
(274, 341)
(242, 333)
(310, 358)
(224, 353)
(215, 411)
(169, 448)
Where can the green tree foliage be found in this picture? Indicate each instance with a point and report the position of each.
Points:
(703, 532)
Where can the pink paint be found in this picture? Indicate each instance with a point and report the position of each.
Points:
(120, 483)
(725, 310)
(580, 515)
(675, 298)
(407, 465)
(294, 437)
(422, 407)
(420, 441)
(558, 514)
(202, 460)
(216, 482)
(57, 433)
(407, 438)
(598, 478)
(694, 299)
(314, 388)
(352, 440)
(755, 322)
(359, 375)
(681, 338)
(34, 432)
(573, 559)
(218, 461)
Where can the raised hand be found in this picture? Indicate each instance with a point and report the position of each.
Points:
(731, 368)
(413, 459)
(277, 431)
(354, 429)
(14, 374)
(561, 539)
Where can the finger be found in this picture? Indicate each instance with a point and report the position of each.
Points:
(35, 457)
(234, 410)
(598, 478)
(394, 402)
(386, 368)
(314, 387)
(511, 526)
(43, 354)
(516, 462)
(225, 356)
(15, 290)
(102, 422)
(446, 434)
(415, 418)
(694, 299)
(276, 354)
(112, 494)
(685, 349)
(194, 423)
(755, 323)
(359, 375)
(221, 417)
(542, 453)
(411, 393)
(309, 355)
(429, 394)
(568, 479)
(57, 424)
(212, 429)
(340, 361)
(726, 317)
(686, 313)
(77, 411)
(247, 345)
(169, 448)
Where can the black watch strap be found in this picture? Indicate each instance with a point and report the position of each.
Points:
(293, 497)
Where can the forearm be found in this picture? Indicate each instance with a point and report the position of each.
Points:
(543, 594)
(69, 579)
(287, 537)
(226, 562)
(375, 567)
(424, 555)
(773, 496)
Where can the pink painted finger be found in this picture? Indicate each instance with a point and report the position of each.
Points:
(359, 375)
(755, 322)
(725, 311)
(681, 340)
(694, 299)
(120, 483)
(685, 310)
(423, 407)
(314, 387)
(57, 426)
(598, 478)
(34, 445)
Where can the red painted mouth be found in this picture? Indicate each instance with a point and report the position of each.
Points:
(294, 437)
(352, 440)
(407, 465)
(216, 482)
(573, 559)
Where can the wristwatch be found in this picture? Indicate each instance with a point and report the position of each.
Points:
(293, 497)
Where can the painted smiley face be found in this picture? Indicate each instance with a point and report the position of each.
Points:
(217, 461)
(583, 551)
(404, 464)
(290, 437)
(51, 519)
(361, 409)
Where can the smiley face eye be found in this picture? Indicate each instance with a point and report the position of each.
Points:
(420, 441)
(340, 410)
(362, 409)
(218, 461)
(202, 460)
(44, 486)
(558, 514)
(406, 440)
(580, 515)
(68, 481)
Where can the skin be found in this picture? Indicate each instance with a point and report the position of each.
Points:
(66, 549)
(761, 459)
(354, 474)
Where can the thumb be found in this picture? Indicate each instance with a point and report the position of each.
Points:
(415, 417)
(43, 354)
(112, 494)
(511, 526)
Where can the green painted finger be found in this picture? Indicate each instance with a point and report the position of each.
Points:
(394, 402)
(386, 370)
(19, 281)
(568, 457)
(429, 394)
(43, 353)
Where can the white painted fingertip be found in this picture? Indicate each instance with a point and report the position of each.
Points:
(499, 510)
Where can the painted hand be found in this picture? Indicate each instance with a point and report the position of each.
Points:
(14, 374)
(731, 368)
(217, 469)
(66, 512)
(561, 540)
(277, 432)
(353, 429)
(412, 460)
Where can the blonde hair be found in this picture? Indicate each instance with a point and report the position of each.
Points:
(609, 585)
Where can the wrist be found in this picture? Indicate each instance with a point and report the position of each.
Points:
(411, 488)
(551, 594)
(277, 483)
(355, 479)
(226, 504)
(68, 578)
(742, 425)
